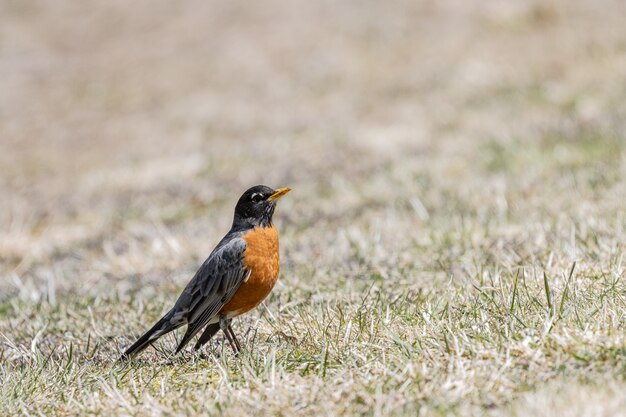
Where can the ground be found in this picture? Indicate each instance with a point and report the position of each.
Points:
(453, 244)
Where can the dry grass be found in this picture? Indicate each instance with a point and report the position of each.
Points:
(453, 245)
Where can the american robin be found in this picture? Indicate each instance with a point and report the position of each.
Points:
(239, 273)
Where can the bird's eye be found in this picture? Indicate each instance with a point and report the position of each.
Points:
(256, 197)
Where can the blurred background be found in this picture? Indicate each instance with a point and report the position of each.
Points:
(129, 129)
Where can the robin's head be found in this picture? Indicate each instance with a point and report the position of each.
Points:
(256, 206)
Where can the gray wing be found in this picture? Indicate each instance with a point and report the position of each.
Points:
(214, 284)
(211, 288)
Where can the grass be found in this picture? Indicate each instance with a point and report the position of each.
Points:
(453, 244)
(366, 350)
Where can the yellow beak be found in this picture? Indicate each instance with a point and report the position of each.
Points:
(278, 194)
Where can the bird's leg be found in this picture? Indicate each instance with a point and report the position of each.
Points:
(232, 334)
(224, 325)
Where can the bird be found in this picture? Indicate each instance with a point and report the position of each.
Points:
(236, 277)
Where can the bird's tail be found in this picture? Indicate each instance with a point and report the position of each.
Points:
(163, 326)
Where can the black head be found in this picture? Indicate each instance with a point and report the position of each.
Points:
(256, 206)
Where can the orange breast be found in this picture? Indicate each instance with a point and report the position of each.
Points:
(262, 259)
